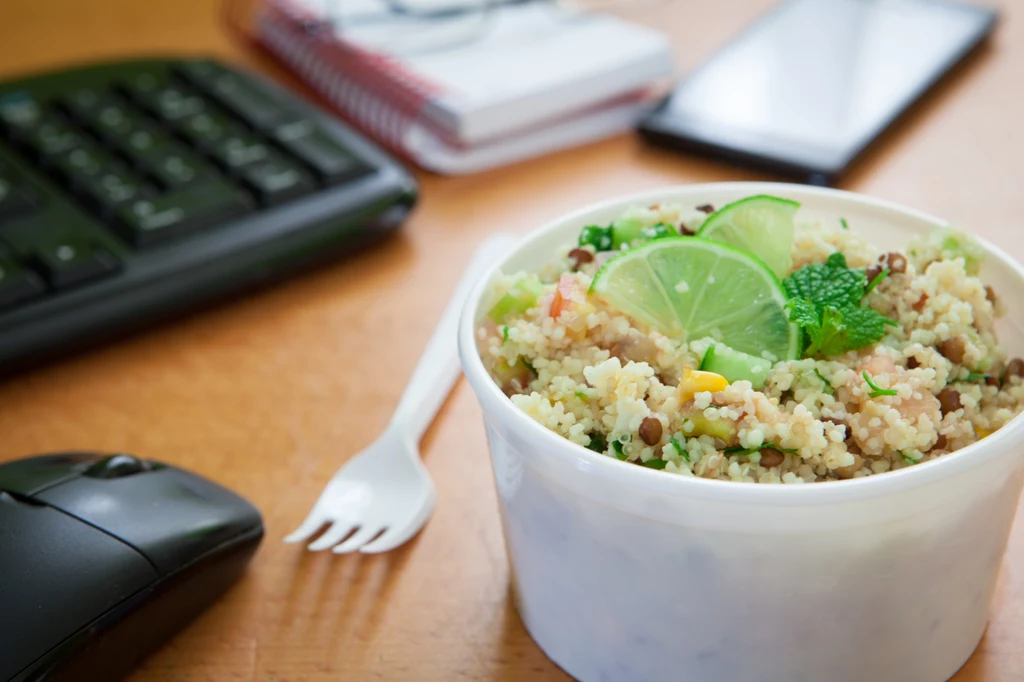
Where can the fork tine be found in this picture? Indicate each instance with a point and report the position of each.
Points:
(358, 539)
(310, 526)
(395, 537)
(391, 539)
(332, 536)
(398, 535)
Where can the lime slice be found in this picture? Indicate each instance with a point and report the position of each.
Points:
(692, 288)
(761, 225)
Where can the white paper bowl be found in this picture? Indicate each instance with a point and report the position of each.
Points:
(624, 574)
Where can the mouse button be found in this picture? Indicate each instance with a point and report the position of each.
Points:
(29, 476)
(118, 466)
(57, 574)
(170, 516)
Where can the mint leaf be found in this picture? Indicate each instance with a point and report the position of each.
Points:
(864, 326)
(823, 326)
(597, 443)
(803, 312)
(829, 337)
(825, 301)
(829, 283)
(654, 463)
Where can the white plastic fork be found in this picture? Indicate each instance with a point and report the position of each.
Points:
(384, 493)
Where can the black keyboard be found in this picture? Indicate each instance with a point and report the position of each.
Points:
(134, 191)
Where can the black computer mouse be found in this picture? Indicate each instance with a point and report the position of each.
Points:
(104, 557)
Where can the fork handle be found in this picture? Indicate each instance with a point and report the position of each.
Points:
(438, 367)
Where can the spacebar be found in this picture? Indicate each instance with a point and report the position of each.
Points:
(148, 221)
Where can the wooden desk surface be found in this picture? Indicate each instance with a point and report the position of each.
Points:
(271, 394)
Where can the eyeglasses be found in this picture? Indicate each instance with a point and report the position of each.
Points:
(408, 27)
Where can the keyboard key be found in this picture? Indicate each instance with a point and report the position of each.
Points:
(237, 151)
(148, 221)
(113, 188)
(173, 102)
(179, 168)
(66, 262)
(114, 121)
(143, 85)
(82, 166)
(277, 180)
(207, 128)
(146, 145)
(53, 135)
(257, 108)
(318, 148)
(13, 200)
(200, 72)
(19, 111)
(83, 103)
(17, 284)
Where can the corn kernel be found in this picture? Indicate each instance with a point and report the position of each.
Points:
(697, 381)
(982, 433)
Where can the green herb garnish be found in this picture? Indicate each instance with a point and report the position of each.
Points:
(842, 221)
(582, 395)
(598, 237)
(975, 377)
(654, 463)
(504, 334)
(529, 365)
(827, 384)
(908, 459)
(597, 443)
(825, 300)
(617, 447)
(876, 281)
(658, 231)
(679, 448)
(877, 390)
(737, 450)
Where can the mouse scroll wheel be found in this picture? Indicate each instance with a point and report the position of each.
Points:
(117, 466)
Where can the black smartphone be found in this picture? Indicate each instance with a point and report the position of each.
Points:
(808, 87)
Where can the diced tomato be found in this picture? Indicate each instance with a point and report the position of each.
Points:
(568, 292)
(557, 304)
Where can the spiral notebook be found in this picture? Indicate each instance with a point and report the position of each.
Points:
(539, 78)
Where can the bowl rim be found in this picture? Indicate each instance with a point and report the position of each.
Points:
(548, 444)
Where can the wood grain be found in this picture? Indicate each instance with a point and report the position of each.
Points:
(270, 394)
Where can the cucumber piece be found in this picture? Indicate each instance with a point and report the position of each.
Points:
(625, 230)
(720, 428)
(735, 365)
(628, 230)
(520, 297)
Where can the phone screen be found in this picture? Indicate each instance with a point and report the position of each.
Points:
(814, 81)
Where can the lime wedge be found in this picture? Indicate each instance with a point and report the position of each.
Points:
(692, 288)
(761, 225)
